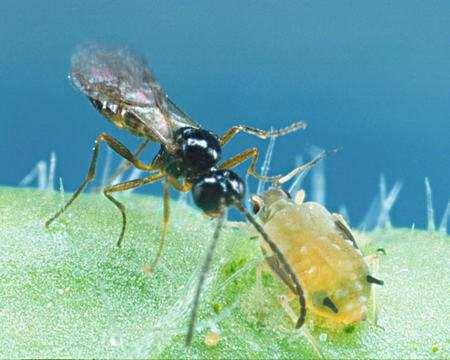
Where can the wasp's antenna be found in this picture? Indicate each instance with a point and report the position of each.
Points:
(203, 273)
(282, 259)
(302, 168)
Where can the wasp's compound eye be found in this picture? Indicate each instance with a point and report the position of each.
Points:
(199, 149)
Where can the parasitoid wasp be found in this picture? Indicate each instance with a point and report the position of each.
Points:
(120, 85)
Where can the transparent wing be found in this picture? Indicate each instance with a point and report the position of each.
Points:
(179, 117)
(119, 77)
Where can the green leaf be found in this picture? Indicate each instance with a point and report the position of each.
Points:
(68, 291)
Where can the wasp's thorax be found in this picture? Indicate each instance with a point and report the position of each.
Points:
(197, 151)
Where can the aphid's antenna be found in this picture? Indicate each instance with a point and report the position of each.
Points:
(203, 273)
(279, 180)
(318, 179)
(444, 221)
(281, 258)
(295, 187)
(430, 210)
(266, 164)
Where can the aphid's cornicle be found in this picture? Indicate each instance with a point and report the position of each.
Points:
(321, 250)
(122, 88)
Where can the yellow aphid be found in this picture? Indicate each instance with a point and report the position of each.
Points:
(323, 254)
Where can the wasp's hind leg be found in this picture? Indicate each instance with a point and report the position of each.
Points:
(119, 149)
(132, 184)
(125, 164)
(166, 218)
(262, 134)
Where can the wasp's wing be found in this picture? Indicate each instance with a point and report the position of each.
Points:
(116, 76)
(179, 117)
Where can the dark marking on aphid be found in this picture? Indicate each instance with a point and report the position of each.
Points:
(381, 251)
(372, 280)
(330, 304)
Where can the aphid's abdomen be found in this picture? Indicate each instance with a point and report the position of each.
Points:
(327, 264)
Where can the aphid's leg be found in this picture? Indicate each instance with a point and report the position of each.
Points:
(183, 187)
(284, 302)
(125, 164)
(127, 186)
(202, 277)
(253, 154)
(166, 217)
(262, 134)
(118, 148)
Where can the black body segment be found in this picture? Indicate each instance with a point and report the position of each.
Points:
(218, 186)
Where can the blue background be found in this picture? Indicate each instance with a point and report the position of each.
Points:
(370, 77)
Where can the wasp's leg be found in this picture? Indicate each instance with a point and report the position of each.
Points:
(132, 184)
(262, 134)
(118, 148)
(166, 218)
(183, 187)
(284, 302)
(125, 164)
(253, 154)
